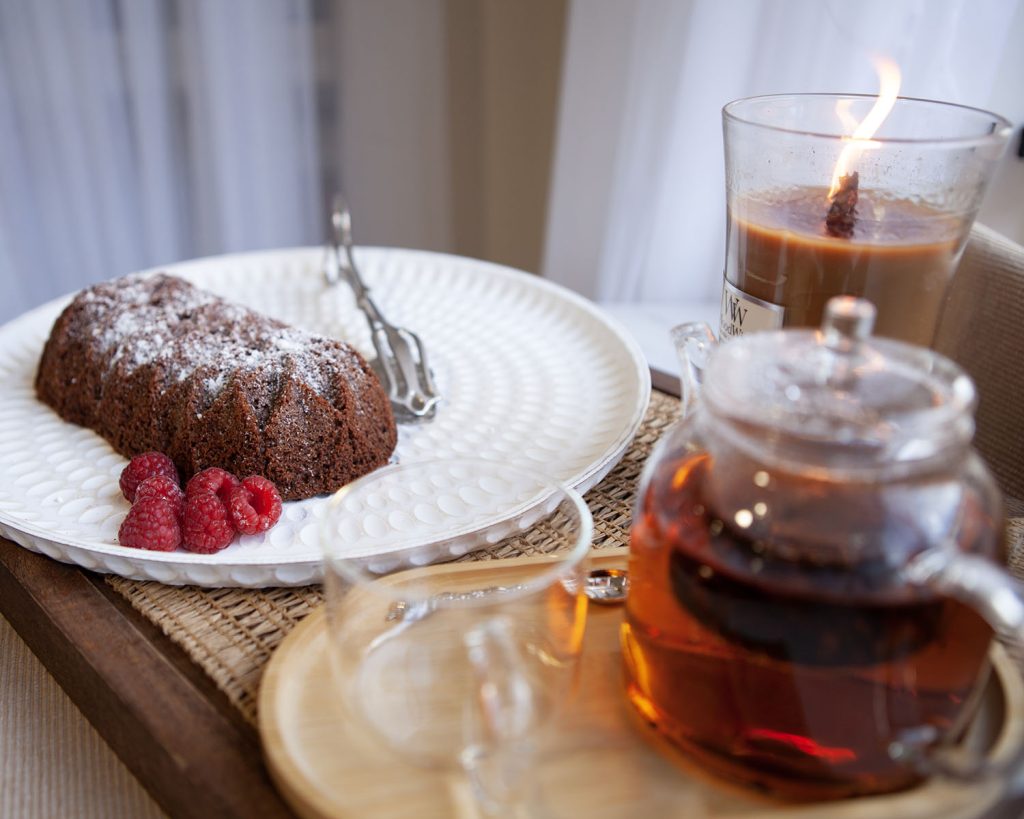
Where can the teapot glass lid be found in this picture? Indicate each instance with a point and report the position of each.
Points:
(868, 400)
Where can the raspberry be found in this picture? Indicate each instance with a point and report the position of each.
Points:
(207, 528)
(255, 506)
(216, 480)
(164, 488)
(152, 523)
(145, 466)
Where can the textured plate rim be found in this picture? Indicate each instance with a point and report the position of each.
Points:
(582, 481)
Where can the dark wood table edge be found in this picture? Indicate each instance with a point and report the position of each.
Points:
(160, 713)
(665, 382)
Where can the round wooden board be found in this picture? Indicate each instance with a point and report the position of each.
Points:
(600, 764)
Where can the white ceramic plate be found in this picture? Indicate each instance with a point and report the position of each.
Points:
(531, 374)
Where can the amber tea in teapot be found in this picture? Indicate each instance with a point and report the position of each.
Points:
(741, 655)
(774, 631)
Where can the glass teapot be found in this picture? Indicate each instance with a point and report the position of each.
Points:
(814, 578)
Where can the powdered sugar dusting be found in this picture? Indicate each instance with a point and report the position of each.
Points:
(180, 330)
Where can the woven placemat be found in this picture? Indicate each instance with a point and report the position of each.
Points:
(231, 633)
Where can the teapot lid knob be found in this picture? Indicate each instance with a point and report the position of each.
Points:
(848, 321)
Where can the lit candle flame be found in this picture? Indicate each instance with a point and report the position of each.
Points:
(860, 140)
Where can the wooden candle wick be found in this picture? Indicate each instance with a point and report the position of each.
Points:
(842, 213)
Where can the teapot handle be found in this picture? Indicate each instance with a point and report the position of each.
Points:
(694, 342)
(999, 598)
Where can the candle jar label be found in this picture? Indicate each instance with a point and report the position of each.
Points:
(742, 313)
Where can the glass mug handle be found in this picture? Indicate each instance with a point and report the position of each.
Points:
(999, 599)
(499, 721)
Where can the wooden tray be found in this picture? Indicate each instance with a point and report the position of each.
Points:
(600, 763)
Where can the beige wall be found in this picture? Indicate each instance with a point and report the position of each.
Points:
(440, 120)
(504, 61)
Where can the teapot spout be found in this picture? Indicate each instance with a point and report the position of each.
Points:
(694, 342)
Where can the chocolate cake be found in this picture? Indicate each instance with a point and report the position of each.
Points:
(153, 363)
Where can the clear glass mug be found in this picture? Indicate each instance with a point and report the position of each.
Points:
(457, 667)
(920, 181)
(814, 563)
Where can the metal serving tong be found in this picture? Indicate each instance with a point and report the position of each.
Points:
(401, 362)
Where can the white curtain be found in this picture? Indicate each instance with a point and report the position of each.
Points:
(135, 133)
(138, 132)
(637, 207)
